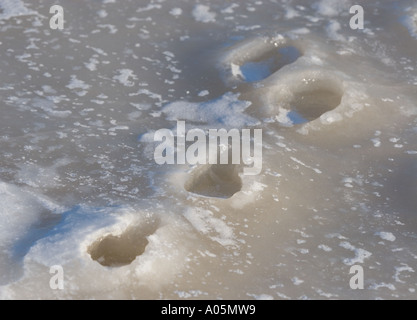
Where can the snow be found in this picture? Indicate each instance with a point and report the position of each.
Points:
(226, 111)
(126, 77)
(386, 236)
(202, 13)
(13, 8)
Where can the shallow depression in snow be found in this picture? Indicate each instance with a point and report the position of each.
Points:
(80, 187)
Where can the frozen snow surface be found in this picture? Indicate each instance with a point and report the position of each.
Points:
(80, 188)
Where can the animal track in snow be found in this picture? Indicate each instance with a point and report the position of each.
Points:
(217, 181)
(119, 250)
(256, 59)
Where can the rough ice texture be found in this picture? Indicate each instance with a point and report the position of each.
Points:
(19, 210)
(386, 236)
(360, 254)
(203, 14)
(77, 83)
(332, 8)
(126, 77)
(287, 225)
(227, 111)
(13, 8)
(409, 20)
(205, 222)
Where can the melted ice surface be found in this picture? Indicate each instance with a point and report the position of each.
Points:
(79, 186)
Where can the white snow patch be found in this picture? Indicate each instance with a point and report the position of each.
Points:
(226, 111)
(49, 108)
(386, 236)
(262, 296)
(324, 248)
(14, 8)
(206, 223)
(203, 93)
(332, 8)
(102, 13)
(91, 64)
(377, 286)
(176, 12)
(399, 270)
(19, 210)
(202, 13)
(376, 142)
(124, 76)
(333, 29)
(360, 254)
(409, 20)
(77, 84)
(297, 281)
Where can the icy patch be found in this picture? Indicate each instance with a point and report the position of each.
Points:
(19, 210)
(75, 227)
(78, 84)
(149, 7)
(291, 13)
(124, 76)
(150, 94)
(293, 117)
(203, 93)
(376, 142)
(202, 13)
(399, 270)
(386, 236)
(49, 108)
(117, 237)
(231, 8)
(102, 13)
(297, 281)
(13, 8)
(247, 28)
(262, 296)
(226, 111)
(40, 177)
(236, 71)
(206, 223)
(325, 294)
(112, 28)
(377, 286)
(176, 12)
(324, 248)
(332, 8)
(256, 71)
(318, 171)
(333, 29)
(360, 254)
(249, 193)
(410, 21)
